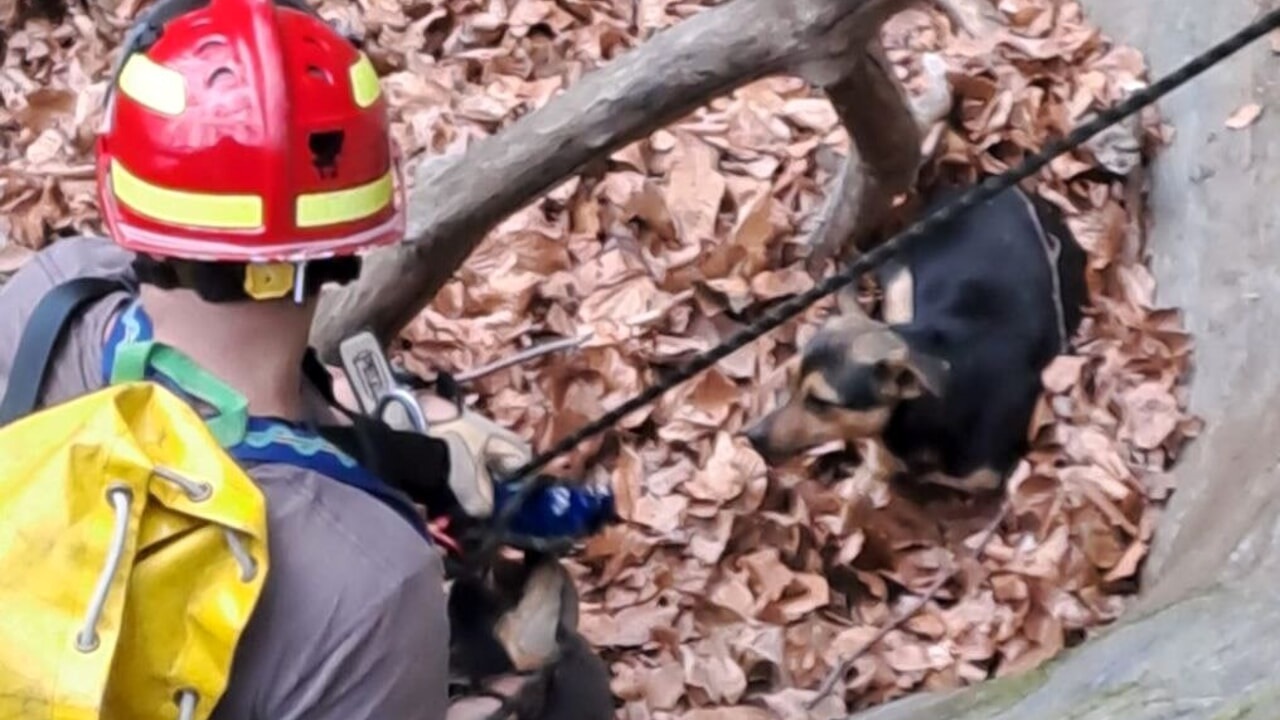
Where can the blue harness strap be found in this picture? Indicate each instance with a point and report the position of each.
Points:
(270, 440)
(265, 440)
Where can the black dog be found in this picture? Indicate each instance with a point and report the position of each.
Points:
(973, 312)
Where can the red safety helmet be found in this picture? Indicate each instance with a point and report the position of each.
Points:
(246, 131)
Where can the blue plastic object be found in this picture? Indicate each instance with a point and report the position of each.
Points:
(558, 511)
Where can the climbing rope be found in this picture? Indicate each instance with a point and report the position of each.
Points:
(788, 309)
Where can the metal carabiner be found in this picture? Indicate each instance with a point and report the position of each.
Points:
(406, 400)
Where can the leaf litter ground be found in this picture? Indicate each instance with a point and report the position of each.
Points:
(732, 589)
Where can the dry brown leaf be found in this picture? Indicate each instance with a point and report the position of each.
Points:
(1151, 415)
(13, 256)
(1127, 565)
(1064, 372)
(851, 547)
(695, 189)
(806, 593)
(736, 712)
(754, 230)
(793, 703)
(627, 483)
(770, 577)
(1244, 116)
(927, 625)
(732, 465)
(908, 659)
(708, 546)
(733, 594)
(773, 284)
(630, 627)
(713, 671)
(811, 113)
(664, 687)
(661, 513)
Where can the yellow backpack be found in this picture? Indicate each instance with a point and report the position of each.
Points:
(134, 547)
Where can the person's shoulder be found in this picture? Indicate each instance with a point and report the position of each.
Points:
(352, 621)
(77, 368)
(79, 256)
(319, 522)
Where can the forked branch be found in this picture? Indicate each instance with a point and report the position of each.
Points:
(885, 129)
(458, 199)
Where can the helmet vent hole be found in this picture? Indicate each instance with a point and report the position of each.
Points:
(219, 74)
(319, 73)
(210, 43)
(325, 148)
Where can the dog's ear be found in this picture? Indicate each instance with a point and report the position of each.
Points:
(908, 376)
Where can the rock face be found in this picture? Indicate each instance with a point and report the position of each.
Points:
(1201, 641)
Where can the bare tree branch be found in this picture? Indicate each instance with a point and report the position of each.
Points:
(886, 128)
(458, 199)
(885, 131)
(974, 17)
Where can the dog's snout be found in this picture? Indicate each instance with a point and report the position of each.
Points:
(762, 440)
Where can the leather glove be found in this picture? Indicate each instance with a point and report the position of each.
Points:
(478, 448)
(482, 454)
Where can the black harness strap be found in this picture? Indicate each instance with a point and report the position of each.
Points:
(315, 371)
(40, 337)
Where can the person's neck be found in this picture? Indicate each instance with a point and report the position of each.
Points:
(256, 348)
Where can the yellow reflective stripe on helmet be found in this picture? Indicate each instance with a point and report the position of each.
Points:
(364, 82)
(330, 208)
(238, 212)
(153, 85)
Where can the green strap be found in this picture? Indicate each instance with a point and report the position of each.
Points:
(230, 423)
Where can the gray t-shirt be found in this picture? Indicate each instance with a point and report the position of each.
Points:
(351, 623)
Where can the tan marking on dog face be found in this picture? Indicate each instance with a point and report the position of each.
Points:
(981, 480)
(898, 305)
(815, 386)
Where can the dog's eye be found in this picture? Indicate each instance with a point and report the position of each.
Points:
(817, 404)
